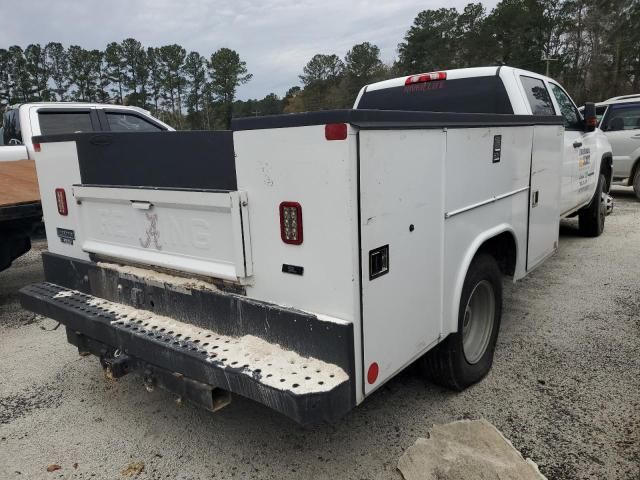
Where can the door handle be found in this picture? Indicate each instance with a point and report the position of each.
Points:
(637, 136)
(141, 205)
(577, 144)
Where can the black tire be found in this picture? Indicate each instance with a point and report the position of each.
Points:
(636, 183)
(447, 363)
(591, 218)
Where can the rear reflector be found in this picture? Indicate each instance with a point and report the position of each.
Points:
(291, 223)
(372, 373)
(36, 147)
(61, 200)
(425, 77)
(335, 131)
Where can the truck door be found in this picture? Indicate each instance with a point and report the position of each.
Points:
(544, 207)
(12, 147)
(540, 103)
(401, 224)
(57, 120)
(578, 149)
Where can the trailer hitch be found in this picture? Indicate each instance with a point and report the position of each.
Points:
(115, 364)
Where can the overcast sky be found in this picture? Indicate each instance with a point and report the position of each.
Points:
(275, 37)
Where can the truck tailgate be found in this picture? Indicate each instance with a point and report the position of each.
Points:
(200, 232)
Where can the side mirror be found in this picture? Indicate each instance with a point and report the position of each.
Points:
(590, 119)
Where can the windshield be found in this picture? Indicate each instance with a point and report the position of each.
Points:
(11, 134)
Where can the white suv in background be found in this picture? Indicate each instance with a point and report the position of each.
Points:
(619, 119)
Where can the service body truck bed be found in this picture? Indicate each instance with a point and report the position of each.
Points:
(300, 260)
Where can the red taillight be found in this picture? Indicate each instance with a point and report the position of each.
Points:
(425, 77)
(36, 147)
(61, 200)
(335, 131)
(291, 223)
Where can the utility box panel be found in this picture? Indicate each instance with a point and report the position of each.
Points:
(402, 221)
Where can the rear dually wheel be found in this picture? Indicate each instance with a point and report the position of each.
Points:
(466, 356)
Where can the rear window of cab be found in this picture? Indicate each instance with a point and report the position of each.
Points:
(464, 95)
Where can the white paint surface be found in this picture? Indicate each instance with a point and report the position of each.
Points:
(401, 178)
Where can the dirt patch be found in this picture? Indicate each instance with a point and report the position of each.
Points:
(25, 402)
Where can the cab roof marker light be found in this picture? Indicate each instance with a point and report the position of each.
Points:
(425, 77)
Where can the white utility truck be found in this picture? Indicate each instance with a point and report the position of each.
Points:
(20, 209)
(303, 260)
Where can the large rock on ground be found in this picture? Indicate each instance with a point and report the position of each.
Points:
(465, 450)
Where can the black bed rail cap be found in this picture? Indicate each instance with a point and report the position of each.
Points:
(382, 119)
(200, 160)
(72, 137)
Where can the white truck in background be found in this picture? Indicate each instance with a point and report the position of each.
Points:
(20, 209)
(619, 119)
(304, 260)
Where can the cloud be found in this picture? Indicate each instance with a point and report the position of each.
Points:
(275, 37)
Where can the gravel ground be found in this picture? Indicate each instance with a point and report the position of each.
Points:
(565, 388)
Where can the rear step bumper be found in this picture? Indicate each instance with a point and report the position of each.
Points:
(196, 361)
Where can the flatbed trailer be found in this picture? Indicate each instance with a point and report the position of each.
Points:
(20, 210)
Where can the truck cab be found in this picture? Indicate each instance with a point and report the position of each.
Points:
(22, 122)
(20, 206)
(509, 91)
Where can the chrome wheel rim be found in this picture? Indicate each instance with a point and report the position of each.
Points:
(477, 322)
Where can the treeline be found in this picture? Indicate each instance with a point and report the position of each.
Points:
(186, 90)
(591, 46)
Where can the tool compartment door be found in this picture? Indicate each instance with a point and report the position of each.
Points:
(544, 194)
(204, 233)
(402, 222)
